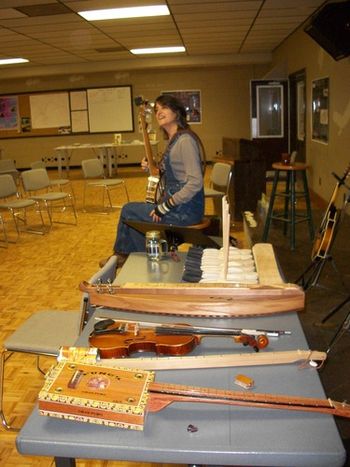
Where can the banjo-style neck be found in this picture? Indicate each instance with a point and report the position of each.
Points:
(148, 149)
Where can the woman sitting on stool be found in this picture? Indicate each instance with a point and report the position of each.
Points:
(181, 171)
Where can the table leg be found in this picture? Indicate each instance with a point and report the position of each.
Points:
(64, 462)
(270, 209)
(292, 209)
(286, 203)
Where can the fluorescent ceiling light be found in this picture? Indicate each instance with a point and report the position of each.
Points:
(120, 13)
(158, 50)
(11, 61)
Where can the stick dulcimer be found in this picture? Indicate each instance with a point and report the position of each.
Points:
(122, 397)
(270, 295)
(302, 357)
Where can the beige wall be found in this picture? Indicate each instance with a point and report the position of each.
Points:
(224, 92)
(298, 52)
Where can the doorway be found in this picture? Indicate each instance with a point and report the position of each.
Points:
(297, 103)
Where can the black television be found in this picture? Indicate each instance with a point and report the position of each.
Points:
(330, 28)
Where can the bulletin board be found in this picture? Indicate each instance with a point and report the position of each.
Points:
(95, 110)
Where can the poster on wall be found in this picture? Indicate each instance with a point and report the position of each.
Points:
(320, 106)
(9, 113)
(192, 103)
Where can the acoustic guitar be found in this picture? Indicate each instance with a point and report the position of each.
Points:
(153, 183)
(329, 223)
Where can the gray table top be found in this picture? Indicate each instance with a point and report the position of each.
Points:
(227, 435)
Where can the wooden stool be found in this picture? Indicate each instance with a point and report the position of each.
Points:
(289, 215)
(201, 226)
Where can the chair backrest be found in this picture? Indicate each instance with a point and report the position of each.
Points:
(220, 174)
(293, 156)
(92, 168)
(35, 179)
(7, 186)
(38, 165)
(7, 164)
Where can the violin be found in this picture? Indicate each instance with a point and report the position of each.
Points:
(122, 338)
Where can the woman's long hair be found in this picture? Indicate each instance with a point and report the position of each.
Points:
(174, 104)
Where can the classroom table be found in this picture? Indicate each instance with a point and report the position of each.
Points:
(107, 152)
(223, 435)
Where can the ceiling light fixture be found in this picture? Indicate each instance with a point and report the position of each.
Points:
(11, 61)
(158, 50)
(121, 13)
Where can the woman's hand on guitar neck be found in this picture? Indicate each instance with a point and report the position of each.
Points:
(145, 165)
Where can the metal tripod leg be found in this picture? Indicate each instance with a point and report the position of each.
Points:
(344, 326)
(335, 309)
(311, 275)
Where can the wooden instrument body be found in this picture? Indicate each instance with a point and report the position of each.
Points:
(271, 295)
(116, 339)
(136, 340)
(120, 397)
(325, 235)
(87, 393)
(207, 300)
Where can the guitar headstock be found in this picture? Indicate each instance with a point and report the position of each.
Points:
(145, 113)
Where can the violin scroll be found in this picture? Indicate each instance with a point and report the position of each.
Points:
(257, 342)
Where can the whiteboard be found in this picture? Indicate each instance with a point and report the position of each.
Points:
(78, 100)
(80, 123)
(110, 109)
(50, 110)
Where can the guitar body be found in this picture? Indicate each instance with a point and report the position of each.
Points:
(325, 236)
(152, 189)
(329, 222)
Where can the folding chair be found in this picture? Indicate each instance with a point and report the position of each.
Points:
(43, 333)
(54, 182)
(4, 233)
(94, 177)
(8, 166)
(37, 180)
(11, 201)
(220, 178)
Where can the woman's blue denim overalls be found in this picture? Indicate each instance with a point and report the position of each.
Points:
(129, 240)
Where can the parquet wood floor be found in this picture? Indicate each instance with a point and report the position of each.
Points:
(42, 273)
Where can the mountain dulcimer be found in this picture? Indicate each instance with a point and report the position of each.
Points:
(220, 299)
(121, 397)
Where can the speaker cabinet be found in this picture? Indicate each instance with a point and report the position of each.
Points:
(330, 28)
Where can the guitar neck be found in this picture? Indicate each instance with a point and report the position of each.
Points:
(148, 149)
(161, 395)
